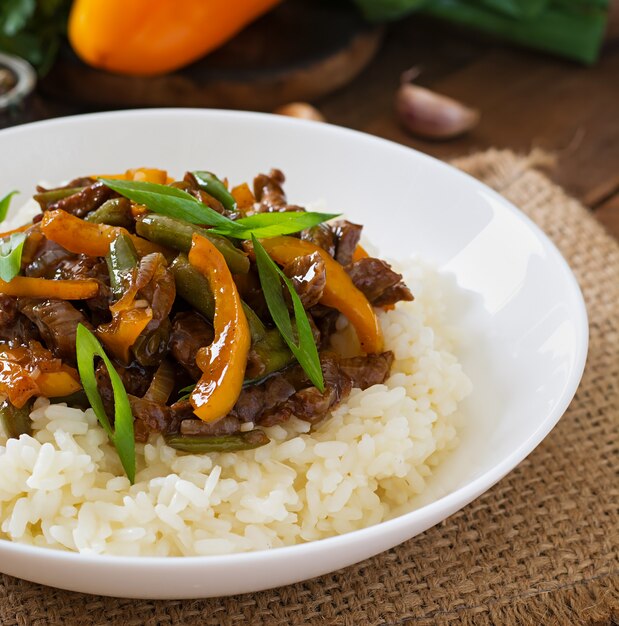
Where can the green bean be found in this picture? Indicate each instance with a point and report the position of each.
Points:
(44, 198)
(212, 185)
(115, 212)
(15, 422)
(121, 259)
(177, 234)
(225, 443)
(193, 287)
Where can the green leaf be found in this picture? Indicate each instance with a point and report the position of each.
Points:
(5, 203)
(303, 348)
(212, 185)
(10, 256)
(15, 15)
(169, 201)
(87, 347)
(265, 225)
(177, 203)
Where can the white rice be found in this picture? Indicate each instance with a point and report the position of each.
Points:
(64, 487)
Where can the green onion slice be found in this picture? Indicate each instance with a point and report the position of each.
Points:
(177, 203)
(5, 203)
(87, 347)
(11, 250)
(303, 348)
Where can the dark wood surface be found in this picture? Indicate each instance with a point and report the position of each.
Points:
(277, 59)
(527, 100)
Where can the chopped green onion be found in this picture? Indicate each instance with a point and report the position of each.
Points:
(266, 225)
(87, 347)
(5, 203)
(212, 185)
(303, 348)
(177, 203)
(10, 256)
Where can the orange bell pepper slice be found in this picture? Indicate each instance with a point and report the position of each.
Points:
(16, 382)
(359, 253)
(57, 384)
(223, 362)
(145, 174)
(121, 333)
(81, 237)
(19, 382)
(19, 229)
(30, 287)
(340, 292)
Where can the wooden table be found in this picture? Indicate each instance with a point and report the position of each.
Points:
(527, 100)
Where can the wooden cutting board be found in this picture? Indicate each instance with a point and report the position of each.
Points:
(302, 50)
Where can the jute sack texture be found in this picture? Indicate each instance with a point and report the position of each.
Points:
(540, 548)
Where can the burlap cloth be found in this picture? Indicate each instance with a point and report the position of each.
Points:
(539, 548)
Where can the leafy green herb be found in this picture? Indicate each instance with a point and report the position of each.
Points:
(177, 203)
(303, 348)
(5, 203)
(87, 347)
(33, 29)
(10, 256)
(266, 225)
(211, 184)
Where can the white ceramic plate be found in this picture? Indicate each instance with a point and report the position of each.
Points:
(519, 307)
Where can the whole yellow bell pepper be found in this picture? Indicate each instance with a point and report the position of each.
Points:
(148, 37)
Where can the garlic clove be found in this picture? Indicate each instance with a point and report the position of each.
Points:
(432, 115)
(302, 110)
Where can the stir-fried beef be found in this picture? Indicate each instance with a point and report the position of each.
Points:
(225, 426)
(376, 280)
(81, 181)
(190, 332)
(308, 402)
(321, 236)
(156, 285)
(57, 321)
(368, 370)
(15, 328)
(143, 301)
(152, 417)
(309, 277)
(348, 235)
(85, 201)
(48, 256)
(270, 195)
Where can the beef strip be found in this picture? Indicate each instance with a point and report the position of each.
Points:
(47, 258)
(228, 425)
(309, 277)
(368, 370)
(157, 286)
(190, 332)
(15, 328)
(269, 193)
(82, 181)
(347, 235)
(308, 402)
(57, 322)
(376, 280)
(85, 201)
(322, 236)
(152, 417)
